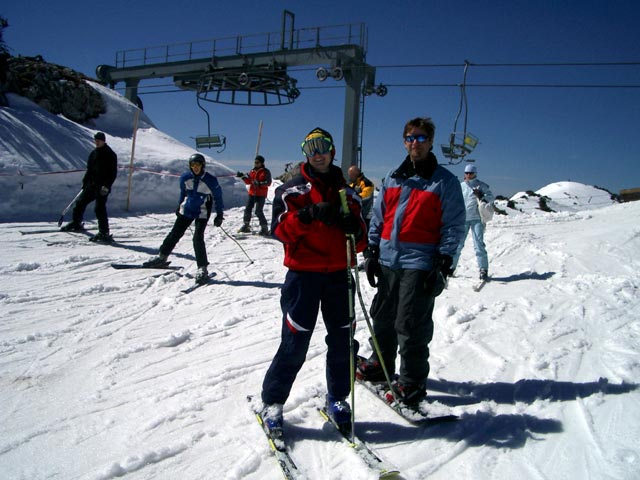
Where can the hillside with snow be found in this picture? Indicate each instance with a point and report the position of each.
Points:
(43, 157)
(109, 374)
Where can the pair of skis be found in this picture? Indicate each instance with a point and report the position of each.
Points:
(291, 471)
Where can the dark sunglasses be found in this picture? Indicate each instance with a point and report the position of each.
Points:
(320, 145)
(418, 138)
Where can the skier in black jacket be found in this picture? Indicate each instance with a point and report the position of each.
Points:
(102, 169)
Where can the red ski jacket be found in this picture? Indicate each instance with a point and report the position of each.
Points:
(258, 181)
(317, 246)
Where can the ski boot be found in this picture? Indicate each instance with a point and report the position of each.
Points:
(369, 370)
(272, 418)
(340, 413)
(202, 275)
(102, 237)
(156, 262)
(72, 227)
(410, 394)
(244, 229)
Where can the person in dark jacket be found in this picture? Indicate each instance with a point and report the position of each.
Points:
(102, 169)
(308, 220)
(198, 191)
(258, 179)
(418, 222)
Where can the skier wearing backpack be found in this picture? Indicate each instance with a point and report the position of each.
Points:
(477, 199)
(308, 220)
(198, 190)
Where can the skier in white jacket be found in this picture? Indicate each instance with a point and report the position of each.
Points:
(476, 195)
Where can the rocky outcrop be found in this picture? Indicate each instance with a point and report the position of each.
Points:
(60, 90)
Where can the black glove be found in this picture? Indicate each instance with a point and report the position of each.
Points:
(371, 264)
(239, 174)
(218, 220)
(443, 263)
(350, 224)
(322, 211)
(478, 193)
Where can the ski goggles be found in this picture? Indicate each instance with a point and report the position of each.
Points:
(320, 145)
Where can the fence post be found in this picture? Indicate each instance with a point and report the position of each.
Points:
(133, 151)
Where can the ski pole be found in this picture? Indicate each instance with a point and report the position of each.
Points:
(351, 245)
(237, 243)
(69, 206)
(374, 340)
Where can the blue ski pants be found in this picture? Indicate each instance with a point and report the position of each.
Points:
(304, 294)
(477, 233)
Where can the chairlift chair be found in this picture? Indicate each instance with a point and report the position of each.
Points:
(460, 144)
(211, 141)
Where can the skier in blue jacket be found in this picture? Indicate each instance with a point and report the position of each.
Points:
(417, 224)
(475, 193)
(198, 190)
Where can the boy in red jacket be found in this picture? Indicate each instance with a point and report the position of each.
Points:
(308, 220)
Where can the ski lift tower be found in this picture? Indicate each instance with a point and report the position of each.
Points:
(253, 70)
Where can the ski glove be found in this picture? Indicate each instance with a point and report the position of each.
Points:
(239, 174)
(218, 220)
(478, 193)
(443, 263)
(350, 224)
(104, 190)
(371, 264)
(434, 283)
(322, 211)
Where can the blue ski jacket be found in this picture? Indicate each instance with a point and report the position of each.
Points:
(196, 194)
(415, 218)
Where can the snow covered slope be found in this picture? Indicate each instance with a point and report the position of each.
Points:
(110, 374)
(43, 156)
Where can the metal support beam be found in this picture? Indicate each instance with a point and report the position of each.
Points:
(350, 145)
(250, 70)
(131, 90)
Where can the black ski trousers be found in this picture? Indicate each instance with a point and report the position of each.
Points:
(87, 196)
(179, 228)
(402, 314)
(258, 203)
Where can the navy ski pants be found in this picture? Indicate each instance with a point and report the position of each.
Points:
(303, 295)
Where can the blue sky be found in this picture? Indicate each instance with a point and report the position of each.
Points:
(530, 137)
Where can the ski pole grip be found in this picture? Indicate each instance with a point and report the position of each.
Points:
(343, 201)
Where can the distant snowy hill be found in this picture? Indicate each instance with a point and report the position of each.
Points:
(557, 197)
(43, 156)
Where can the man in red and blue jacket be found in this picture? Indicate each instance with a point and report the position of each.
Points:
(418, 222)
(308, 220)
